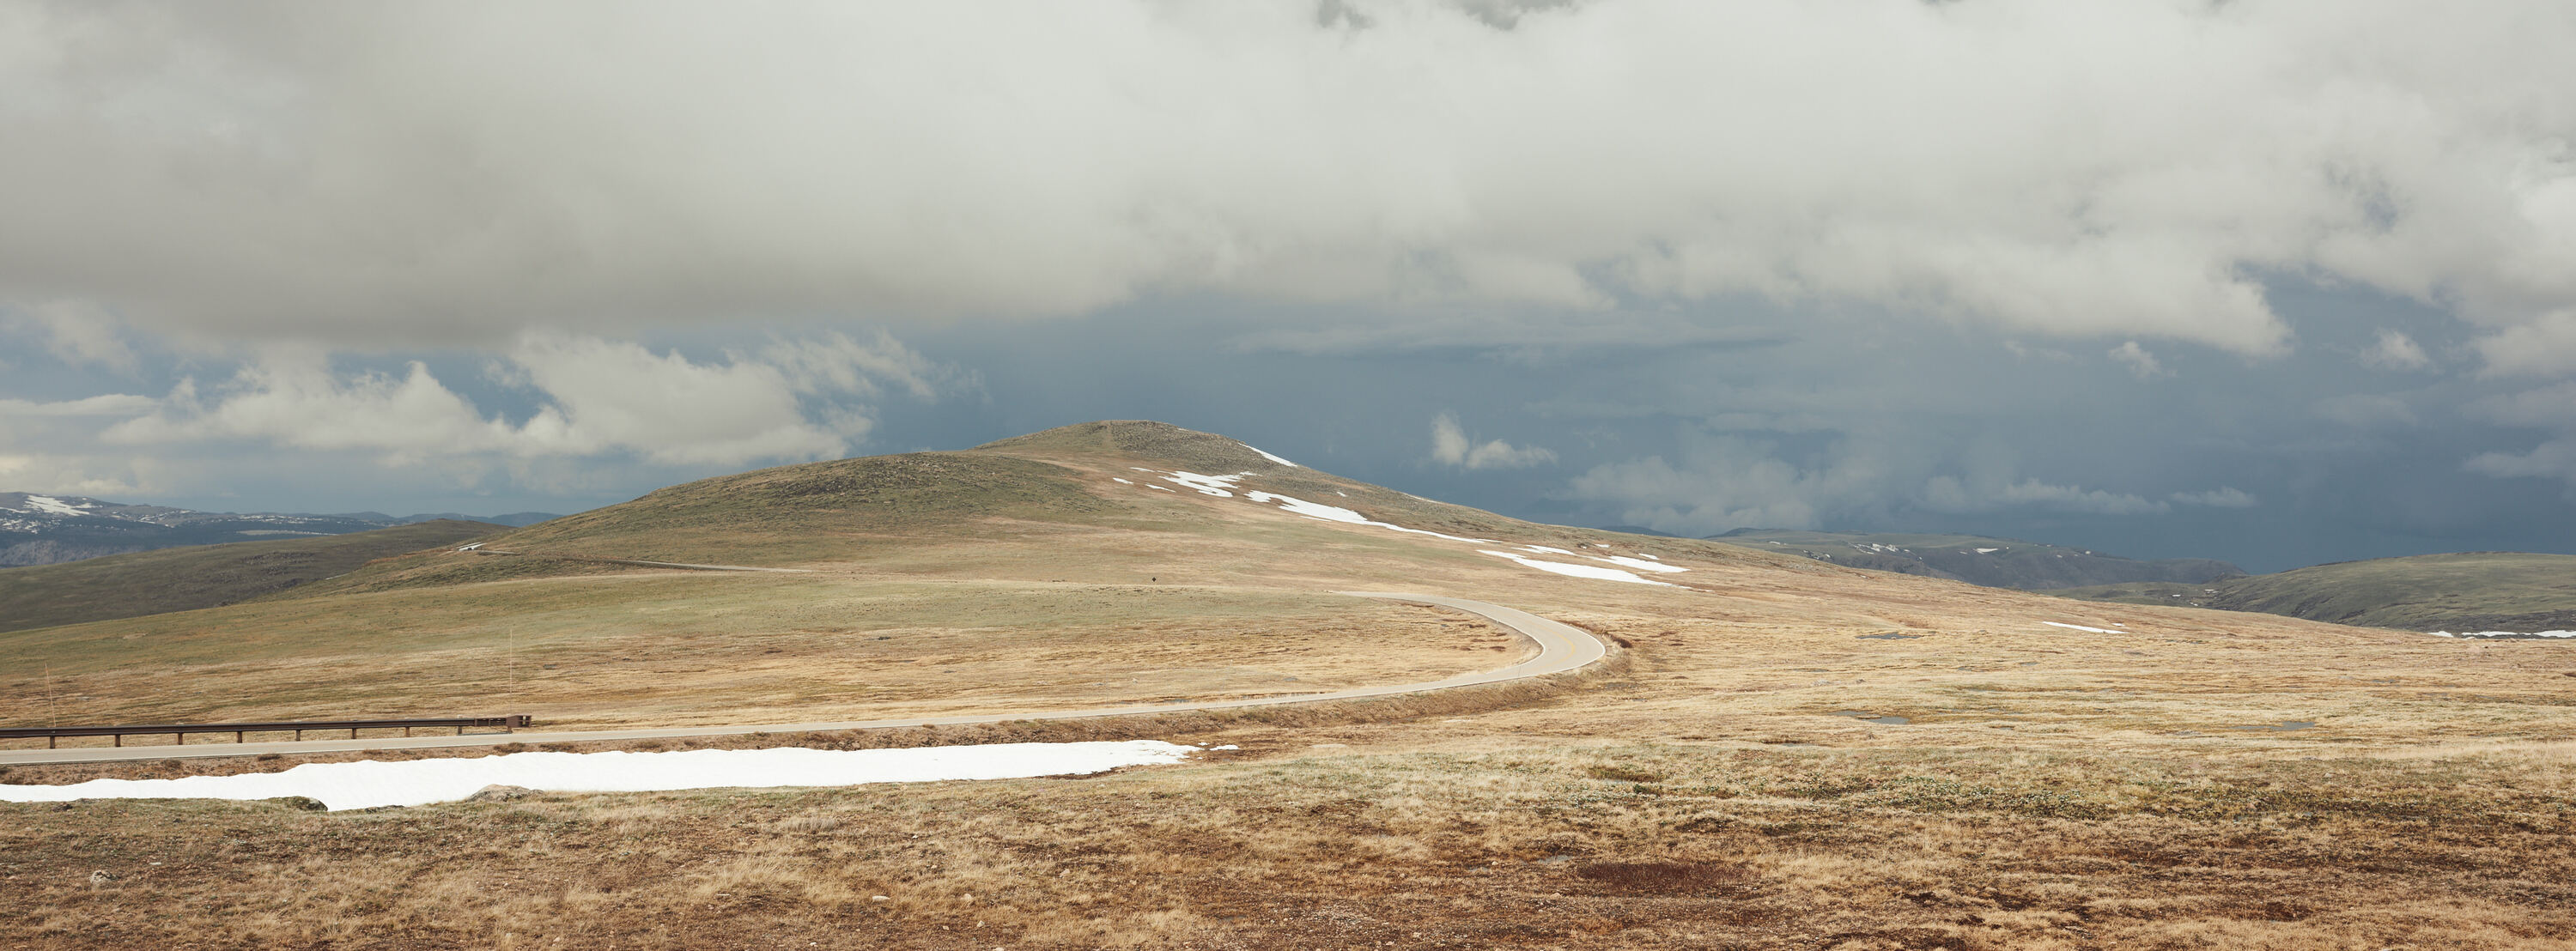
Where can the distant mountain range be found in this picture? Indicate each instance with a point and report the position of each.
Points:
(48, 529)
(1976, 559)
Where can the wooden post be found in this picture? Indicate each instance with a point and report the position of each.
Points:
(237, 736)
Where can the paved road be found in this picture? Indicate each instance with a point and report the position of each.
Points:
(1561, 648)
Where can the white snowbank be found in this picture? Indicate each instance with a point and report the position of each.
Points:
(1639, 564)
(1265, 455)
(1120, 481)
(1219, 486)
(2079, 627)
(2504, 634)
(369, 783)
(1335, 513)
(1165, 488)
(1579, 571)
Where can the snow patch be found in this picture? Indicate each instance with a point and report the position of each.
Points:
(52, 506)
(1988, 551)
(1638, 564)
(1542, 549)
(2504, 634)
(1265, 455)
(370, 783)
(1165, 488)
(2079, 627)
(1219, 486)
(1335, 513)
(1120, 481)
(1579, 571)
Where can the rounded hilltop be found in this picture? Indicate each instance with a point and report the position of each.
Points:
(1143, 439)
(1087, 484)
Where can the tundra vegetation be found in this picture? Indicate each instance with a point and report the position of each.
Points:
(1782, 753)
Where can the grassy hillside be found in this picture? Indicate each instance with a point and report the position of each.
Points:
(1785, 752)
(204, 576)
(2473, 591)
(1020, 503)
(1975, 559)
(558, 620)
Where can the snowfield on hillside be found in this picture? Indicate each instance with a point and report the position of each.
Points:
(2079, 627)
(1226, 486)
(370, 783)
(1580, 571)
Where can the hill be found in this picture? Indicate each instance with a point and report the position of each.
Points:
(2471, 591)
(1975, 559)
(203, 576)
(1779, 752)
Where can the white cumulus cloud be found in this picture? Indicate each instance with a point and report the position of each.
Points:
(2395, 351)
(595, 397)
(1450, 446)
(2141, 363)
(2223, 497)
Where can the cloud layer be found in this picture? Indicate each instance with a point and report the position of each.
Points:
(460, 172)
(585, 398)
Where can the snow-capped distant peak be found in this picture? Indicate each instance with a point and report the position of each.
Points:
(53, 506)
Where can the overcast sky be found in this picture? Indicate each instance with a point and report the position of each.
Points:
(2277, 282)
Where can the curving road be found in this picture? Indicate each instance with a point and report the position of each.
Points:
(1561, 648)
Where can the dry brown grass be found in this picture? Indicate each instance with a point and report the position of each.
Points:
(2052, 789)
(1469, 844)
(702, 649)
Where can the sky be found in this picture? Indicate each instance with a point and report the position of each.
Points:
(2275, 282)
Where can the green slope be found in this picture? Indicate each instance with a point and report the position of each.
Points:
(203, 576)
(2474, 591)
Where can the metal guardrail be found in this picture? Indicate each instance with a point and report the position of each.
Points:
(179, 731)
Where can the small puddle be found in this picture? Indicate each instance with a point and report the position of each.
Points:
(2284, 726)
(1868, 717)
